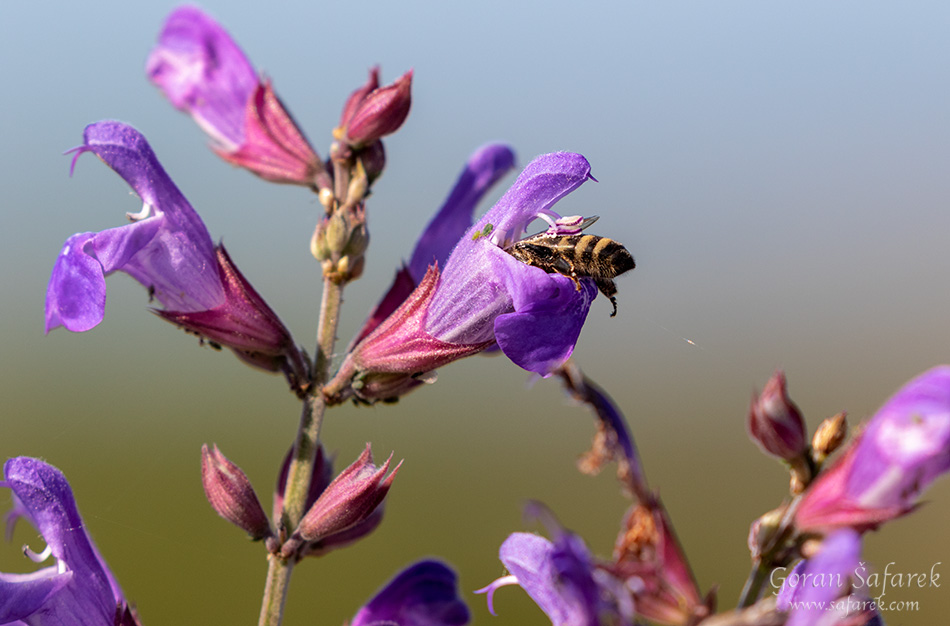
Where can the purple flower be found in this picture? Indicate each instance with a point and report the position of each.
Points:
(485, 167)
(203, 72)
(79, 589)
(423, 594)
(905, 447)
(563, 580)
(483, 296)
(169, 251)
(818, 590)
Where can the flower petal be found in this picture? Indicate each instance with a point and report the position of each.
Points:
(91, 594)
(203, 72)
(76, 294)
(540, 334)
(423, 594)
(484, 168)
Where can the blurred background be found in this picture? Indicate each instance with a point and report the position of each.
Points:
(779, 173)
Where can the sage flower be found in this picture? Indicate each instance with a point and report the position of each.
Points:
(167, 249)
(903, 448)
(203, 72)
(79, 589)
(483, 297)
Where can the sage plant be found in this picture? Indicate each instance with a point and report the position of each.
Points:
(458, 294)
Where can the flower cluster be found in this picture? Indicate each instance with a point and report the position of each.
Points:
(462, 291)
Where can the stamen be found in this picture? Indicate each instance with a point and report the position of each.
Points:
(141, 215)
(37, 557)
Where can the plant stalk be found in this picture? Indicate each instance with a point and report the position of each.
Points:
(304, 456)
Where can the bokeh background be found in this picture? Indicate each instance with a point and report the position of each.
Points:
(779, 172)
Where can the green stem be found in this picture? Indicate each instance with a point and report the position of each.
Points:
(304, 456)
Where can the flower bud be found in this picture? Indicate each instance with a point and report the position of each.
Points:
(318, 243)
(379, 113)
(829, 436)
(356, 98)
(231, 494)
(775, 423)
(373, 158)
(351, 498)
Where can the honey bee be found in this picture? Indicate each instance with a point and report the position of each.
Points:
(577, 256)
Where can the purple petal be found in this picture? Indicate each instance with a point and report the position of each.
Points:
(907, 442)
(532, 560)
(481, 281)
(204, 73)
(167, 248)
(823, 579)
(484, 168)
(90, 595)
(543, 182)
(21, 595)
(540, 335)
(423, 594)
(76, 295)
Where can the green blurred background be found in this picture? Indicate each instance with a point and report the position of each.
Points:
(779, 172)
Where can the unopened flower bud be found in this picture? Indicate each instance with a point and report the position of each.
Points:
(337, 232)
(356, 98)
(381, 112)
(762, 531)
(829, 436)
(359, 184)
(373, 158)
(318, 243)
(775, 423)
(231, 494)
(351, 498)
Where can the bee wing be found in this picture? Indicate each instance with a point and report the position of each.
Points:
(587, 222)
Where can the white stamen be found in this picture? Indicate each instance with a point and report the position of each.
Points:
(37, 557)
(141, 215)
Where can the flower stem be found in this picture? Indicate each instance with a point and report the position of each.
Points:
(304, 456)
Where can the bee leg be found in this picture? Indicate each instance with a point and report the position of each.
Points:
(577, 282)
(609, 289)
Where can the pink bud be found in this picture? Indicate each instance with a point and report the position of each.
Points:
(381, 112)
(231, 494)
(351, 498)
(356, 98)
(775, 423)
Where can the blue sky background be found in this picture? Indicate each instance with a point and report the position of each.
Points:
(778, 171)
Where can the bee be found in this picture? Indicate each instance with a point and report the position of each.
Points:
(577, 256)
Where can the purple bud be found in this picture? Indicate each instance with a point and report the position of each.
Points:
(379, 113)
(231, 494)
(351, 498)
(775, 423)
